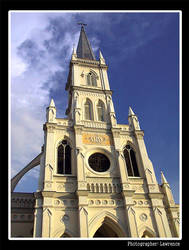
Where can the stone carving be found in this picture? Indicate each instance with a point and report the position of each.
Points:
(57, 202)
(111, 202)
(134, 202)
(50, 129)
(67, 186)
(95, 139)
(91, 94)
(47, 201)
(143, 217)
(92, 124)
(48, 185)
(103, 187)
(104, 202)
(140, 202)
(97, 202)
(91, 202)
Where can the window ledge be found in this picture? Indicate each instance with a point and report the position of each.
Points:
(64, 175)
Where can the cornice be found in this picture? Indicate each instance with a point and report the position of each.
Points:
(89, 63)
(156, 195)
(92, 89)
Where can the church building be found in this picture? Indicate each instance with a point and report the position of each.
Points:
(96, 179)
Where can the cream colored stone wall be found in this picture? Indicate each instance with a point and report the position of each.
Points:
(78, 204)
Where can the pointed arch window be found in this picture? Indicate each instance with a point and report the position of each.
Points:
(130, 159)
(100, 111)
(64, 158)
(91, 79)
(88, 110)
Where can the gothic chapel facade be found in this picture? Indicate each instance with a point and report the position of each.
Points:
(96, 179)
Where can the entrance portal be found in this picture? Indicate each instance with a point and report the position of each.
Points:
(105, 231)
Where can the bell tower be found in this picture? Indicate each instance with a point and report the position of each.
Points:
(88, 77)
(96, 179)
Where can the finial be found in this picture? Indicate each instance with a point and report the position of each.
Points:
(82, 24)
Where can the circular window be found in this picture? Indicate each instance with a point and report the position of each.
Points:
(99, 162)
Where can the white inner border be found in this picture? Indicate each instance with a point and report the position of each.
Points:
(180, 120)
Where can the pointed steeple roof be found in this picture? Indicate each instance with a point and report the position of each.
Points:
(131, 111)
(163, 179)
(84, 49)
(52, 103)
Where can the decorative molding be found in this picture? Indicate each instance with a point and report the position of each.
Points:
(105, 202)
(139, 134)
(67, 186)
(50, 129)
(95, 124)
(143, 217)
(96, 139)
(22, 202)
(102, 187)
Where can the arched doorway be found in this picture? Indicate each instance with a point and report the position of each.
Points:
(105, 231)
(106, 224)
(147, 234)
(65, 235)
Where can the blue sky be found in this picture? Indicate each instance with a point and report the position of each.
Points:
(142, 52)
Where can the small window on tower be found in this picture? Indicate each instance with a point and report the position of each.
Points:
(91, 79)
(100, 111)
(88, 110)
(130, 159)
(64, 158)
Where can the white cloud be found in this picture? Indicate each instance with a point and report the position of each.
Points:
(29, 97)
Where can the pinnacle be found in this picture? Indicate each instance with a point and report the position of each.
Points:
(52, 104)
(74, 50)
(163, 179)
(131, 112)
(100, 53)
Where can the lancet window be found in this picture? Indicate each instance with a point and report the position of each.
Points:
(64, 158)
(88, 110)
(100, 110)
(130, 159)
(91, 79)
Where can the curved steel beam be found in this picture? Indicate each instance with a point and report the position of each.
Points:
(32, 164)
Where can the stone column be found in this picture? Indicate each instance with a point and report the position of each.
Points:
(37, 229)
(83, 213)
(146, 164)
(49, 158)
(127, 193)
(160, 215)
(46, 223)
(82, 192)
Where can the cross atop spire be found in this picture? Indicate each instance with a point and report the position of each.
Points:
(82, 24)
(84, 49)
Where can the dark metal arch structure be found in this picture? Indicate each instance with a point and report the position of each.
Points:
(35, 162)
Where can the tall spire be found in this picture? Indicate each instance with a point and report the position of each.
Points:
(84, 49)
